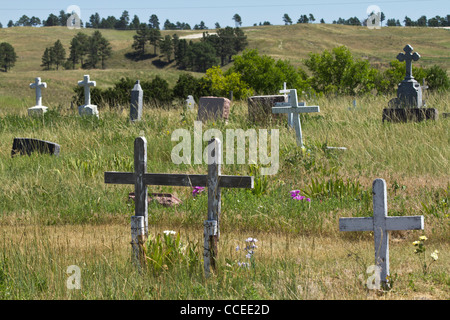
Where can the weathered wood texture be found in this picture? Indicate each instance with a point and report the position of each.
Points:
(380, 224)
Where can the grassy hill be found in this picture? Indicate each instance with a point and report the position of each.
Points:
(293, 43)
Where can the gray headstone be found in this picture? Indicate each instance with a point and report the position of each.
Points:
(136, 102)
(213, 108)
(26, 146)
(409, 92)
(260, 107)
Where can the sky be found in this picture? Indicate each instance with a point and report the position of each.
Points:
(211, 12)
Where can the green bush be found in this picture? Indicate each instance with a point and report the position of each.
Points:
(437, 79)
(338, 72)
(266, 75)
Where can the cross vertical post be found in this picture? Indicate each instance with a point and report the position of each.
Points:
(380, 224)
(381, 236)
(211, 232)
(140, 188)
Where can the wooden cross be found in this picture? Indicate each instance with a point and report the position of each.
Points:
(380, 224)
(86, 83)
(408, 57)
(214, 181)
(38, 85)
(293, 109)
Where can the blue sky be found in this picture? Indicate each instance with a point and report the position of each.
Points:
(251, 11)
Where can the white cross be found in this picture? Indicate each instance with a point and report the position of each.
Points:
(38, 85)
(86, 83)
(293, 109)
(380, 224)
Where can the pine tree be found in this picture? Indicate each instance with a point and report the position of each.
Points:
(154, 38)
(141, 37)
(166, 47)
(46, 60)
(8, 56)
(59, 54)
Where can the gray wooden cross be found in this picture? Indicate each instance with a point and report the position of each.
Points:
(214, 181)
(293, 109)
(408, 57)
(380, 224)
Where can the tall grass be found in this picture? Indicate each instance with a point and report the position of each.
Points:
(305, 256)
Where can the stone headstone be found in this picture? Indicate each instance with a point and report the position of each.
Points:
(260, 107)
(409, 92)
(26, 146)
(408, 105)
(213, 108)
(87, 109)
(137, 96)
(190, 103)
(38, 109)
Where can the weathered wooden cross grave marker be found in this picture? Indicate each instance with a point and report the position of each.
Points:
(38, 109)
(214, 181)
(87, 109)
(408, 105)
(380, 224)
(293, 109)
(137, 96)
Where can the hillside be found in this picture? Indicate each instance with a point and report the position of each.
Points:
(293, 43)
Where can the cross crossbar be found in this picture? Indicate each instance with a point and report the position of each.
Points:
(180, 180)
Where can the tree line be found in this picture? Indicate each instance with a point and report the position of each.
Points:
(86, 51)
(125, 22)
(211, 50)
(436, 21)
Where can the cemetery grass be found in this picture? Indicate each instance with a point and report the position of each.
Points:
(57, 211)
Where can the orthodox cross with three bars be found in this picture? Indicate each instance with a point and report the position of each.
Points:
(214, 181)
(293, 109)
(380, 224)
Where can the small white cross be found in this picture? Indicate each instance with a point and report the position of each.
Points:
(380, 224)
(86, 83)
(37, 84)
(293, 109)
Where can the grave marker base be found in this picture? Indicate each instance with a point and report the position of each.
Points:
(409, 114)
(88, 110)
(37, 111)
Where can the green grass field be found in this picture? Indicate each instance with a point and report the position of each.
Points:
(57, 211)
